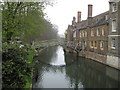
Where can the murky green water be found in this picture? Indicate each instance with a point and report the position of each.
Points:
(57, 69)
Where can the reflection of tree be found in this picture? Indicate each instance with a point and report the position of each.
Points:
(81, 73)
(88, 73)
(47, 54)
(43, 59)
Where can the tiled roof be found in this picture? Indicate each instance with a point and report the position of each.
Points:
(83, 24)
(114, 0)
(96, 21)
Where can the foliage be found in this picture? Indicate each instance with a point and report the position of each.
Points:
(22, 18)
(15, 66)
(50, 32)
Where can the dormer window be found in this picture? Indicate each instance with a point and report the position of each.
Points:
(97, 20)
(106, 17)
(114, 7)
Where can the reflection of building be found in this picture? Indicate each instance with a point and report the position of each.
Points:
(98, 36)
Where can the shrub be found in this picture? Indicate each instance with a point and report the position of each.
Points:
(14, 65)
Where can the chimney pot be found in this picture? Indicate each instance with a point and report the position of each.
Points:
(90, 10)
(79, 17)
(73, 21)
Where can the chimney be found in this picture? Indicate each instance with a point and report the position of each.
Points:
(73, 21)
(90, 11)
(79, 17)
(89, 15)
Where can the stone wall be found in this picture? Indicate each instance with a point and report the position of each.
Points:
(96, 57)
(113, 61)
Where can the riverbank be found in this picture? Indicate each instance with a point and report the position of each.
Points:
(17, 65)
(78, 72)
(101, 58)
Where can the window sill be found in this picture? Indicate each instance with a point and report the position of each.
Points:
(114, 11)
(114, 30)
(95, 47)
(91, 47)
(113, 48)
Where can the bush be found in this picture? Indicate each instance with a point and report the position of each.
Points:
(15, 65)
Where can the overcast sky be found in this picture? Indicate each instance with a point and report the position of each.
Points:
(63, 11)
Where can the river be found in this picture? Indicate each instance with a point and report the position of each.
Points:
(59, 69)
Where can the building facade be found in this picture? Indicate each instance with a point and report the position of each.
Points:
(113, 57)
(98, 36)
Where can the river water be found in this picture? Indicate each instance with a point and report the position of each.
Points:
(59, 69)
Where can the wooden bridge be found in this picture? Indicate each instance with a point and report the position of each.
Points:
(54, 42)
(73, 46)
(47, 43)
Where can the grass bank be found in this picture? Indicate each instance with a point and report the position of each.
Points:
(29, 61)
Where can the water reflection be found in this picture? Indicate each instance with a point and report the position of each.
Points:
(76, 72)
(60, 57)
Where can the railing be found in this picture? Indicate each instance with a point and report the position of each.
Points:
(66, 44)
(73, 45)
(47, 43)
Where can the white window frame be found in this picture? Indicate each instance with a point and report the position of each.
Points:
(106, 17)
(103, 31)
(101, 45)
(114, 25)
(114, 7)
(74, 34)
(113, 44)
(85, 44)
(95, 44)
(85, 33)
(92, 33)
(98, 32)
(91, 42)
(80, 34)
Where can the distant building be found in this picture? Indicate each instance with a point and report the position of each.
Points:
(98, 36)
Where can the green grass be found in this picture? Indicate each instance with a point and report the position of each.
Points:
(29, 81)
(30, 56)
(30, 59)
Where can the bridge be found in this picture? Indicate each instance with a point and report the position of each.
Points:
(55, 42)
(47, 43)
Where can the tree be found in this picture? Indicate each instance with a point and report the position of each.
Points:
(21, 18)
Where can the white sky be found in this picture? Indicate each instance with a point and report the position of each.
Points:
(63, 11)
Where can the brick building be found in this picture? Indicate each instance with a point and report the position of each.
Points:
(113, 57)
(98, 36)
